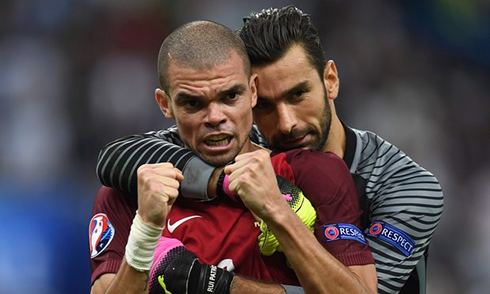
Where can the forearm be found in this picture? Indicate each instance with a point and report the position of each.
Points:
(243, 285)
(119, 160)
(317, 270)
(128, 280)
(133, 274)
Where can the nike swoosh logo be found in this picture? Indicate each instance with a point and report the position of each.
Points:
(172, 227)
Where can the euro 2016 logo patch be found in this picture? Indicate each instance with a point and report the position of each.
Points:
(343, 231)
(392, 235)
(101, 233)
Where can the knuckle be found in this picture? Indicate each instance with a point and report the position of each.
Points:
(165, 165)
(144, 171)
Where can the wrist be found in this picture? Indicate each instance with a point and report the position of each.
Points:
(214, 184)
(223, 187)
(142, 241)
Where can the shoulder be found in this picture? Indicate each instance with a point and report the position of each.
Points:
(110, 199)
(379, 157)
(308, 160)
(320, 175)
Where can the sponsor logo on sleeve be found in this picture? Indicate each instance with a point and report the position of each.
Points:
(342, 231)
(101, 233)
(392, 235)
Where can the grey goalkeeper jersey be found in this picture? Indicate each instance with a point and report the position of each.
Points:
(402, 201)
(404, 205)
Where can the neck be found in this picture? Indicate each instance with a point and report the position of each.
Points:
(336, 138)
(249, 147)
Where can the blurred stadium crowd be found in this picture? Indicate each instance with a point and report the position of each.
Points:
(76, 74)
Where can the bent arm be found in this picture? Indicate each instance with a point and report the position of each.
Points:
(253, 179)
(118, 161)
(317, 270)
(409, 203)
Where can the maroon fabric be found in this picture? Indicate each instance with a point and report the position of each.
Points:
(326, 181)
(225, 232)
(120, 213)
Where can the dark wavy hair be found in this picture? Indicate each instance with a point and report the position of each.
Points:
(269, 34)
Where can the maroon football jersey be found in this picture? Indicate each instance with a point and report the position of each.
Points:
(223, 232)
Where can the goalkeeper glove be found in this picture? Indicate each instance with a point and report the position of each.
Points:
(177, 270)
(268, 243)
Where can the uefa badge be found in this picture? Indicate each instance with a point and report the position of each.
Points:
(331, 233)
(101, 233)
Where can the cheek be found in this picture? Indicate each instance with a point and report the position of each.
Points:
(186, 129)
(246, 119)
(311, 113)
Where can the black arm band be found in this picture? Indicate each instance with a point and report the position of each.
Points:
(196, 177)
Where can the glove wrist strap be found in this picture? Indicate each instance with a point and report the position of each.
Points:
(210, 279)
(223, 187)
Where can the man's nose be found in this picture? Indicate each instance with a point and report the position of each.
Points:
(286, 119)
(215, 115)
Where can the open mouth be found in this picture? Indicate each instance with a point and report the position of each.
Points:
(218, 140)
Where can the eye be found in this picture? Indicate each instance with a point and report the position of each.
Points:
(297, 96)
(190, 104)
(299, 93)
(232, 95)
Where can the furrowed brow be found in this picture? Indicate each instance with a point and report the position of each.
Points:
(302, 86)
(185, 96)
(239, 88)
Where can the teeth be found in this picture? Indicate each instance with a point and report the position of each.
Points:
(217, 137)
(217, 140)
(217, 143)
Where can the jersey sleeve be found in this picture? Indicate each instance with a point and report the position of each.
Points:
(109, 228)
(406, 207)
(327, 183)
(119, 160)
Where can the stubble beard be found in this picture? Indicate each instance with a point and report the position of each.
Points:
(325, 122)
(321, 137)
(223, 159)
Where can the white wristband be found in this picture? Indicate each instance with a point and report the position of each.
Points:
(141, 245)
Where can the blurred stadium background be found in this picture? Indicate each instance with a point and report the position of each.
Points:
(76, 74)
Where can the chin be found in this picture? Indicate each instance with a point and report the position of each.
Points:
(220, 160)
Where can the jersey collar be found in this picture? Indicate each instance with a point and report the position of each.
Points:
(350, 145)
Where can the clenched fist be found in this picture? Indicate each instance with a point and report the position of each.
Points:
(253, 179)
(158, 187)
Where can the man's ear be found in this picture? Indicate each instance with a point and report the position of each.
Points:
(331, 79)
(163, 101)
(253, 88)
